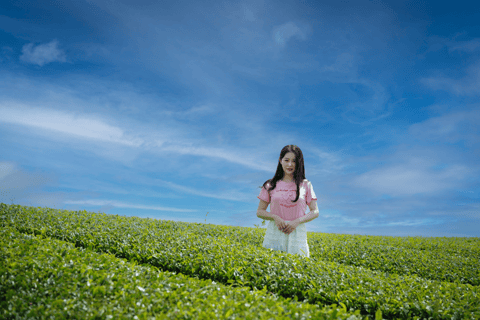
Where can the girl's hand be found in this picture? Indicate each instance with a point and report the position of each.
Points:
(290, 226)
(280, 223)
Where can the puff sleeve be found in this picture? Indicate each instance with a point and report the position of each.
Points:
(264, 195)
(310, 194)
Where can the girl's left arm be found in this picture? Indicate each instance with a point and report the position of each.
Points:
(313, 214)
(292, 225)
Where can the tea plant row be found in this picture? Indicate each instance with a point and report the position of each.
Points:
(43, 278)
(407, 256)
(444, 259)
(234, 260)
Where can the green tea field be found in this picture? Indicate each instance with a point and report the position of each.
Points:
(59, 264)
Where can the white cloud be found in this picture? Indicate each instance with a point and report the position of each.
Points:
(468, 85)
(19, 185)
(248, 15)
(467, 46)
(119, 204)
(344, 63)
(42, 54)
(6, 53)
(61, 112)
(62, 122)
(415, 177)
(409, 222)
(452, 127)
(94, 128)
(284, 32)
(6, 168)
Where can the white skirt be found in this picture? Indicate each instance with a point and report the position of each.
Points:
(294, 243)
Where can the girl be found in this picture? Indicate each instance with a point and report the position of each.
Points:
(289, 193)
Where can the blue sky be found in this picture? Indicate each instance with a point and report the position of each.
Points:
(174, 109)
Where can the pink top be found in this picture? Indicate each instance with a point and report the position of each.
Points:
(282, 196)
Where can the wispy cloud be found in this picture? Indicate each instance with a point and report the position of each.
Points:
(121, 204)
(42, 53)
(284, 32)
(427, 159)
(451, 127)
(62, 122)
(17, 184)
(96, 128)
(414, 177)
(344, 63)
(6, 169)
(6, 53)
(374, 109)
(466, 86)
(465, 46)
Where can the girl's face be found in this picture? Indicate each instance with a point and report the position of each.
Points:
(288, 163)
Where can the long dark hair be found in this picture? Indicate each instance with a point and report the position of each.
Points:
(298, 175)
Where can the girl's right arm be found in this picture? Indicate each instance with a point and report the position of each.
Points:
(264, 214)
